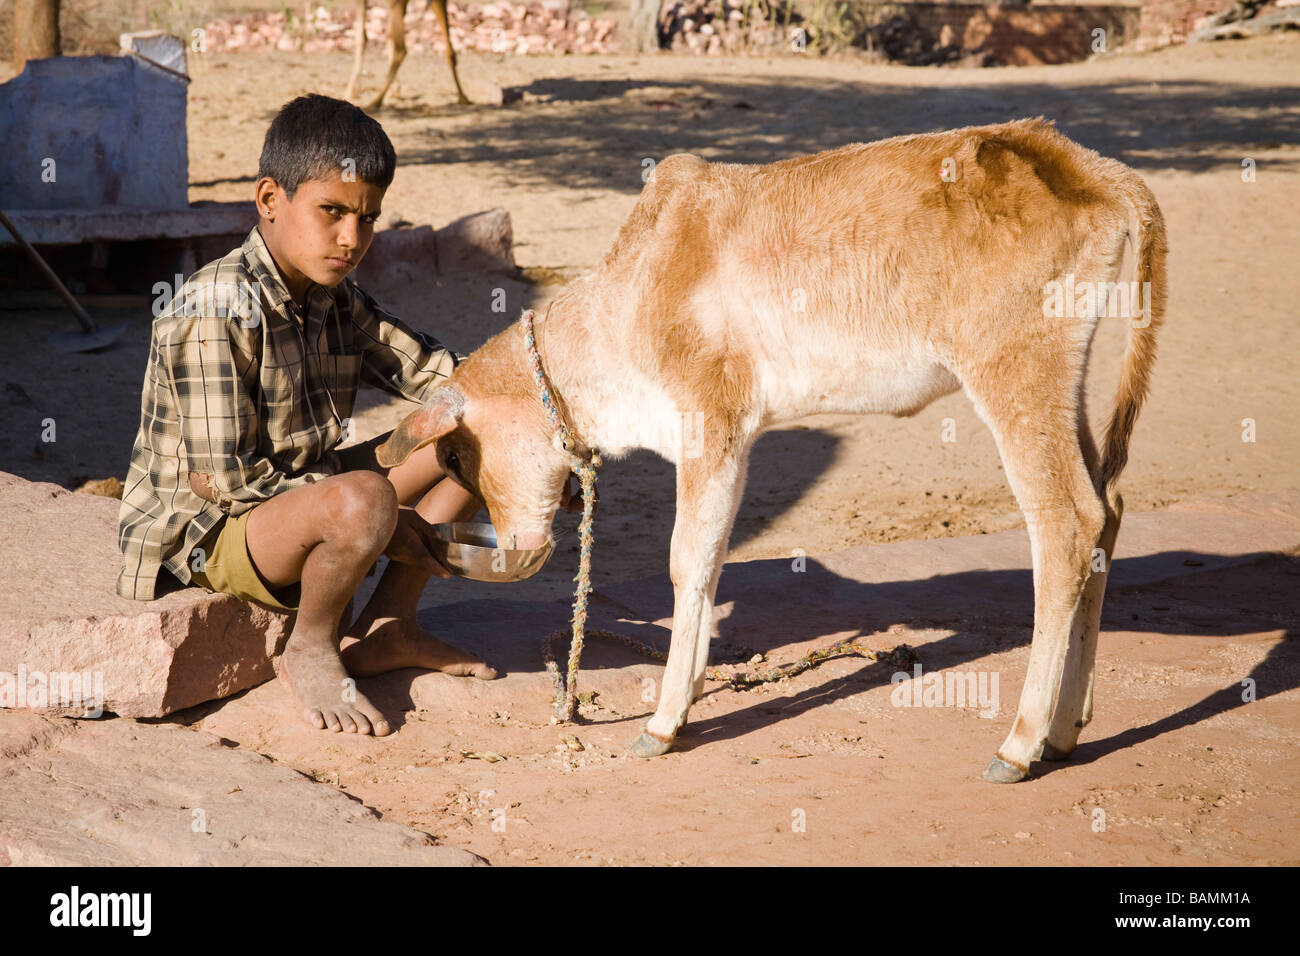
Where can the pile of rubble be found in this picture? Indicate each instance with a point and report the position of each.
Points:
(698, 26)
(1249, 18)
(897, 33)
(1166, 22)
(539, 26)
(766, 27)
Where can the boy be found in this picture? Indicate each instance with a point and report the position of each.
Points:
(234, 483)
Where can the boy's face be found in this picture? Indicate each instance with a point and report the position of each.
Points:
(321, 234)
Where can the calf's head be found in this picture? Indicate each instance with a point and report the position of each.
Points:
(496, 445)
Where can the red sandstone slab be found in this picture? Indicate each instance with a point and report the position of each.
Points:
(62, 623)
(119, 793)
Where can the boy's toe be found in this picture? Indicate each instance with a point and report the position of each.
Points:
(375, 723)
(468, 668)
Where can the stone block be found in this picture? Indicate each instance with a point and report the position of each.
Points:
(69, 644)
(90, 131)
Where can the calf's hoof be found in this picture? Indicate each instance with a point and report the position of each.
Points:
(999, 771)
(648, 746)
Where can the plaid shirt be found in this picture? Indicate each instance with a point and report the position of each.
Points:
(241, 385)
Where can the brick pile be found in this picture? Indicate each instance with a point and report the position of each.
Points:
(538, 26)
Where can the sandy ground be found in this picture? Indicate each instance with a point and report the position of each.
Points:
(827, 767)
(567, 163)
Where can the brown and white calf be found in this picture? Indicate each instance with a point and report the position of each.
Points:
(871, 278)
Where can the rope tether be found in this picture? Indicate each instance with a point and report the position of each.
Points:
(566, 689)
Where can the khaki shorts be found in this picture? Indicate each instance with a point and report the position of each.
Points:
(229, 568)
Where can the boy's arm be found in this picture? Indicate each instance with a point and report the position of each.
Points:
(218, 419)
(398, 359)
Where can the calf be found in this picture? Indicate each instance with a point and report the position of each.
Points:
(871, 278)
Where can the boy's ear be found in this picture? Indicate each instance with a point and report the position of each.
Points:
(440, 415)
(266, 194)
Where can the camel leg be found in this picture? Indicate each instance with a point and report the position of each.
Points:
(355, 81)
(440, 11)
(396, 48)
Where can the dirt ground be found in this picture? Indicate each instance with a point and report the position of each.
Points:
(567, 163)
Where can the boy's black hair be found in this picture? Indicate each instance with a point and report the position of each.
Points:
(314, 136)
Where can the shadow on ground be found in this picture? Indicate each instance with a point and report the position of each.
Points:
(984, 612)
(1184, 125)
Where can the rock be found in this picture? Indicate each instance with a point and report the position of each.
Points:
(483, 91)
(396, 256)
(119, 793)
(78, 647)
(481, 241)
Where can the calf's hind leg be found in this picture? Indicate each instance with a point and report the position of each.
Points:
(1045, 466)
(1074, 706)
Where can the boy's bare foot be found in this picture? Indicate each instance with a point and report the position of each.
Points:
(316, 678)
(390, 643)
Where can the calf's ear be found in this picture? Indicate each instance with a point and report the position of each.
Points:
(440, 415)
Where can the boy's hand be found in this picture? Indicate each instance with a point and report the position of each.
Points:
(410, 543)
(571, 497)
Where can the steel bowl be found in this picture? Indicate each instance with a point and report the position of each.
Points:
(468, 549)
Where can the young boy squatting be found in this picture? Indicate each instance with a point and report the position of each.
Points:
(235, 483)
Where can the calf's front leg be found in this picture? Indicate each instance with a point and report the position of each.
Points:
(708, 494)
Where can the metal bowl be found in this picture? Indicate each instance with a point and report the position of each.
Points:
(468, 549)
